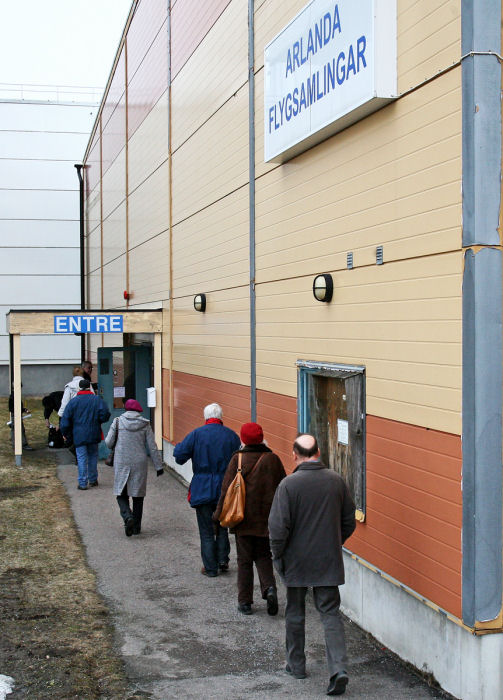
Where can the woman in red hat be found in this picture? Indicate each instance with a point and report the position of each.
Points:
(132, 439)
(262, 471)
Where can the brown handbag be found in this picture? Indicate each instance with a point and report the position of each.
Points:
(233, 508)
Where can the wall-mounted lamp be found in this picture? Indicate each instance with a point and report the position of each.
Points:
(200, 302)
(323, 288)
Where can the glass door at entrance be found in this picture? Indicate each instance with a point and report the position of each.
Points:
(123, 373)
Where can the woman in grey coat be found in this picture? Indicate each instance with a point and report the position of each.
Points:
(132, 439)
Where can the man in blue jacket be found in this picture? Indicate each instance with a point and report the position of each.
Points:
(82, 420)
(210, 448)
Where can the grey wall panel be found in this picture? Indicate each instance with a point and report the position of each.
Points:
(34, 145)
(482, 436)
(34, 116)
(37, 175)
(26, 233)
(36, 290)
(481, 83)
(36, 204)
(38, 262)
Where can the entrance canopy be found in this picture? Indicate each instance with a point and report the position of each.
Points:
(60, 322)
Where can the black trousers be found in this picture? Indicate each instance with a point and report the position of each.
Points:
(125, 510)
(251, 549)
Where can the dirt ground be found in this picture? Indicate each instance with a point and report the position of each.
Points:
(56, 637)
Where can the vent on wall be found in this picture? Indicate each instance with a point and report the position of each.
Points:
(350, 261)
(379, 255)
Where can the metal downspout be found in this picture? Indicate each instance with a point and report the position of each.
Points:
(79, 167)
(251, 139)
(482, 312)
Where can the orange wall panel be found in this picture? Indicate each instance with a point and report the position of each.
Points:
(166, 407)
(413, 516)
(192, 393)
(277, 415)
(412, 530)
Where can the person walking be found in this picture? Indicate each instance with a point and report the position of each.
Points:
(71, 389)
(132, 439)
(81, 420)
(312, 515)
(210, 448)
(262, 471)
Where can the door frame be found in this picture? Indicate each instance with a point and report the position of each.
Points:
(306, 368)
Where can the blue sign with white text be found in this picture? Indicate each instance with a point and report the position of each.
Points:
(88, 324)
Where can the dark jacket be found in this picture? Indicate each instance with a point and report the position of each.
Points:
(311, 516)
(210, 448)
(261, 484)
(52, 402)
(83, 417)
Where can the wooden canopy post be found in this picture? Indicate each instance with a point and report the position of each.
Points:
(16, 361)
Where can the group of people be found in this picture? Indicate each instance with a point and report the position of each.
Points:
(296, 523)
(82, 413)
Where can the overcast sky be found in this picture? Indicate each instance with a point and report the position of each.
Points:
(60, 42)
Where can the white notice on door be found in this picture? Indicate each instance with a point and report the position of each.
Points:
(119, 392)
(342, 432)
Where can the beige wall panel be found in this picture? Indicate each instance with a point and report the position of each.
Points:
(219, 232)
(114, 184)
(93, 250)
(214, 344)
(214, 161)
(270, 18)
(148, 148)
(166, 337)
(93, 300)
(401, 320)
(149, 270)
(149, 207)
(93, 210)
(429, 39)
(214, 72)
(114, 283)
(394, 177)
(114, 234)
(260, 166)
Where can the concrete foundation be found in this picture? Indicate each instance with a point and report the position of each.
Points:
(38, 380)
(468, 666)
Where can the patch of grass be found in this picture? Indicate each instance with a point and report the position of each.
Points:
(56, 638)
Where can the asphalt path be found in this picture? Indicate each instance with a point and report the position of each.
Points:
(180, 633)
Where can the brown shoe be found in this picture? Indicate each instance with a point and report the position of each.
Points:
(208, 573)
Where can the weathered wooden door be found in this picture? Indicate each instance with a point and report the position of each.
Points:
(336, 416)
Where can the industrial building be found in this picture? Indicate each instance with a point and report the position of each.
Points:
(308, 197)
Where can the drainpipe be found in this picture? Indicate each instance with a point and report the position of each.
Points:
(251, 140)
(482, 311)
(79, 168)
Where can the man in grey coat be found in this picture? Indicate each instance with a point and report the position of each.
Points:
(311, 517)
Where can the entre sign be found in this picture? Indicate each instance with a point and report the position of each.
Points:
(334, 64)
(99, 323)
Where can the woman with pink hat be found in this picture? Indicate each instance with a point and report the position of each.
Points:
(132, 440)
(262, 471)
